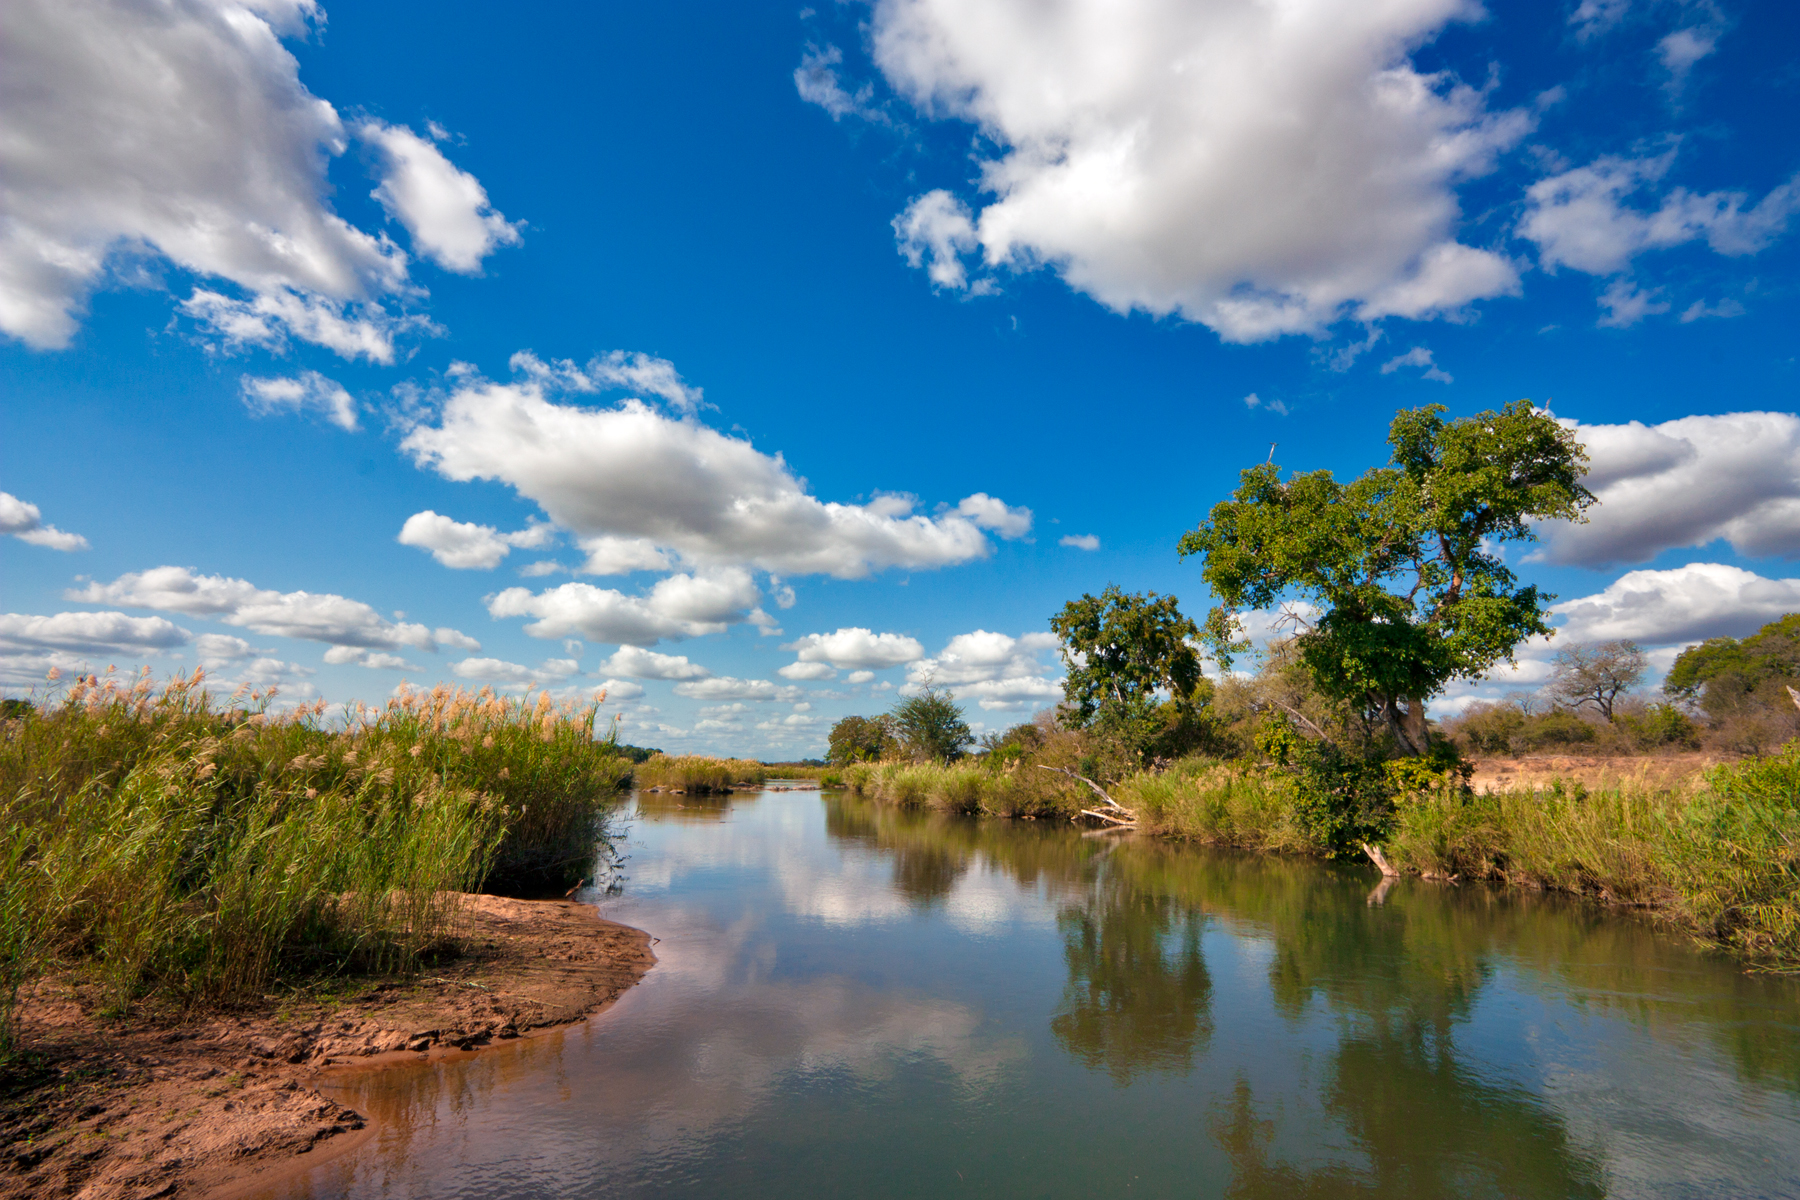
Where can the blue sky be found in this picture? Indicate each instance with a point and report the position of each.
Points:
(689, 344)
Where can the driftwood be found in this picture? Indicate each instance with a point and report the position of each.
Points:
(1378, 858)
(1795, 696)
(1128, 818)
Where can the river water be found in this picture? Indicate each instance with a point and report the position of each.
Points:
(856, 1001)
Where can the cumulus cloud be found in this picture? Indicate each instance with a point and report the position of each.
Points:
(679, 606)
(860, 677)
(1580, 218)
(297, 393)
(1679, 51)
(376, 660)
(25, 521)
(995, 669)
(1261, 169)
(725, 687)
(1684, 604)
(91, 633)
(499, 670)
(1277, 407)
(467, 546)
(816, 79)
(1687, 482)
(855, 647)
(639, 663)
(311, 616)
(1080, 541)
(641, 488)
(621, 689)
(989, 513)
(1418, 356)
(808, 670)
(445, 210)
(182, 131)
(218, 649)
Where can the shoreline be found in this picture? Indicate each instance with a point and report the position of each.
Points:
(174, 1103)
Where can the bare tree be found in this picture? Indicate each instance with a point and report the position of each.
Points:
(1596, 673)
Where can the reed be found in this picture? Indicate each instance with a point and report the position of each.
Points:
(698, 773)
(203, 852)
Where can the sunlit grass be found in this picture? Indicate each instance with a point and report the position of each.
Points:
(698, 773)
(199, 851)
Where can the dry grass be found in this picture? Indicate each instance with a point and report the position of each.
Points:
(698, 773)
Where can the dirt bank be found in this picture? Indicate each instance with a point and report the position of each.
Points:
(182, 1104)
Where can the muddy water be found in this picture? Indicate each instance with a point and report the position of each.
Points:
(853, 1001)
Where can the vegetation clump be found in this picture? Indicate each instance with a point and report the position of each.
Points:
(698, 773)
(167, 845)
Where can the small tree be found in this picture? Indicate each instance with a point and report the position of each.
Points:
(1133, 671)
(1596, 673)
(1400, 560)
(862, 739)
(931, 726)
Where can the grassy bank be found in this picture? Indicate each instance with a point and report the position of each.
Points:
(168, 845)
(1720, 859)
(698, 773)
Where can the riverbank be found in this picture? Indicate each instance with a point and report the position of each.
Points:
(1712, 850)
(177, 1102)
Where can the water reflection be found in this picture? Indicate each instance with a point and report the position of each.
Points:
(855, 1000)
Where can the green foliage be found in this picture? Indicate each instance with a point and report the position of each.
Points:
(207, 853)
(930, 726)
(636, 754)
(862, 739)
(1398, 559)
(698, 773)
(1133, 673)
(1772, 652)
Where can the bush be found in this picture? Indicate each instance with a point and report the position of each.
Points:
(698, 773)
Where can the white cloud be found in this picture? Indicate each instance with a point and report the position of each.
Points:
(1080, 541)
(309, 389)
(445, 210)
(1592, 17)
(317, 617)
(1277, 407)
(860, 677)
(25, 521)
(621, 689)
(501, 671)
(1700, 309)
(816, 79)
(725, 687)
(651, 488)
(808, 670)
(856, 647)
(1679, 51)
(1263, 169)
(1418, 356)
(217, 649)
(679, 606)
(1579, 217)
(90, 633)
(1685, 604)
(182, 131)
(934, 232)
(989, 513)
(1626, 304)
(1686, 482)
(999, 671)
(615, 370)
(376, 660)
(648, 664)
(464, 545)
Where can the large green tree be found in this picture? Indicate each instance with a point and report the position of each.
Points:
(1400, 563)
(931, 725)
(862, 739)
(1133, 670)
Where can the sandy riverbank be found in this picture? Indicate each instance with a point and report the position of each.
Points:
(176, 1104)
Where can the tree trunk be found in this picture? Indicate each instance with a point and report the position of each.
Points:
(1414, 721)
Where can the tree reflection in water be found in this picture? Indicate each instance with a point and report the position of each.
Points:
(1138, 995)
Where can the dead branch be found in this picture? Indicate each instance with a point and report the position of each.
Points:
(1300, 717)
(1098, 790)
(1795, 696)
(1379, 859)
(1094, 812)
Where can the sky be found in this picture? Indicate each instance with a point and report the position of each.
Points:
(755, 363)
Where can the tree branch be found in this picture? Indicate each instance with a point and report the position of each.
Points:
(1098, 791)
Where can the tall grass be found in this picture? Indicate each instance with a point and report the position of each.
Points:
(972, 789)
(1722, 860)
(698, 772)
(204, 852)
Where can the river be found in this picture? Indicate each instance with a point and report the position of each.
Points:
(856, 1001)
